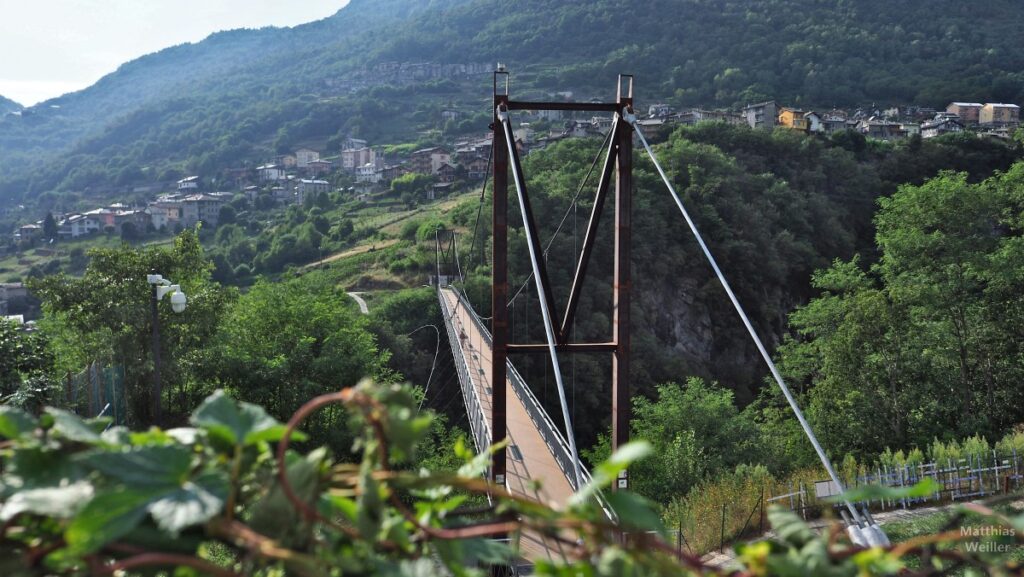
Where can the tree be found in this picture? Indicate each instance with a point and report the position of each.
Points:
(922, 344)
(283, 343)
(413, 184)
(50, 228)
(323, 200)
(226, 215)
(105, 316)
(24, 358)
(696, 431)
(129, 232)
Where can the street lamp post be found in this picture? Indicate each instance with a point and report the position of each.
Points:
(161, 287)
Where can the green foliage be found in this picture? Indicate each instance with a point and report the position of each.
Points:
(23, 358)
(105, 315)
(412, 183)
(170, 498)
(921, 345)
(281, 344)
(696, 431)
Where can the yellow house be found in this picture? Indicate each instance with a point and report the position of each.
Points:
(792, 118)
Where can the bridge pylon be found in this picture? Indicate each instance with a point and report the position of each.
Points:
(618, 165)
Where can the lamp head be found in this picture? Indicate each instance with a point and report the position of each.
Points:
(178, 301)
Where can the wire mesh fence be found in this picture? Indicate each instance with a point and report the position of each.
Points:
(97, 391)
(732, 508)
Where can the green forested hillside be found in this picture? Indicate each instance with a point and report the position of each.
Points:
(239, 95)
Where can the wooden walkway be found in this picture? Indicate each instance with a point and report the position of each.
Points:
(532, 469)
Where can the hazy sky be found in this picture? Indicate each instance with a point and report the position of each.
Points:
(50, 47)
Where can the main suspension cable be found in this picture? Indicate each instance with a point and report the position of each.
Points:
(746, 322)
(548, 326)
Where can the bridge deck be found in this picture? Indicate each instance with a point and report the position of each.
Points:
(531, 460)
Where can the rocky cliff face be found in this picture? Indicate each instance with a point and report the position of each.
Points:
(692, 330)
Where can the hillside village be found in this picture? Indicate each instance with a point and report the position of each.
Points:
(290, 178)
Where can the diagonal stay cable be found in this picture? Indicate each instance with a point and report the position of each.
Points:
(548, 326)
(572, 205)
(746, 322)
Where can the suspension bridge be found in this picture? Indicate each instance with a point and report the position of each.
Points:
(537, 459)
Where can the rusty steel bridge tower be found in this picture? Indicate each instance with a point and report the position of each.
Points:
(618, 165)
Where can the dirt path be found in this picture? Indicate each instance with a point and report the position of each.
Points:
(350, 252)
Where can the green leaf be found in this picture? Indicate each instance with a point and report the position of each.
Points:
(60, 502)
(40, 467)
(106, 518)
(194, 503)
(344, 505)
(73, 428)
(148, 466)
(238, 423)
(878, 561)
(606, 473)
(274, 515)
(789, 527)
(634, 512)
(14, 422)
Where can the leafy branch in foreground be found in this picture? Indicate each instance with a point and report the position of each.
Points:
(80, 498)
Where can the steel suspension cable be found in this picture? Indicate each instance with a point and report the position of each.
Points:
(750, 328)
(437, 349)
(548, 326)
(480, 209)
(572, 207)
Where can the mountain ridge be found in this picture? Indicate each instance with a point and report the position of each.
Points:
(239, 95)
(8, 105)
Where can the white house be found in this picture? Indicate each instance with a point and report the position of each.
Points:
(304, 156)
(940, 126)
(270, 173)
(368, 173)
(77, 225)
(308, 186)
(813, 122)
(189, 183)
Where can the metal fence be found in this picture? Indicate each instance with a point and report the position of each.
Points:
(96, 391)
(969, 477)
(478, 424)
(553, 438)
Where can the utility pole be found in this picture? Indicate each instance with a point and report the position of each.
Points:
(157, 385)
(161, 288)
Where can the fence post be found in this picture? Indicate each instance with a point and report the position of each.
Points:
(721, 538)
(761, 505)
(803, 502)
(679, 536)
(90, 393)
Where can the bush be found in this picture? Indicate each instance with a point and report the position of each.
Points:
(427, 230)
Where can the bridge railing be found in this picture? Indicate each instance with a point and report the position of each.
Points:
(478, 424)
(553, 438)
